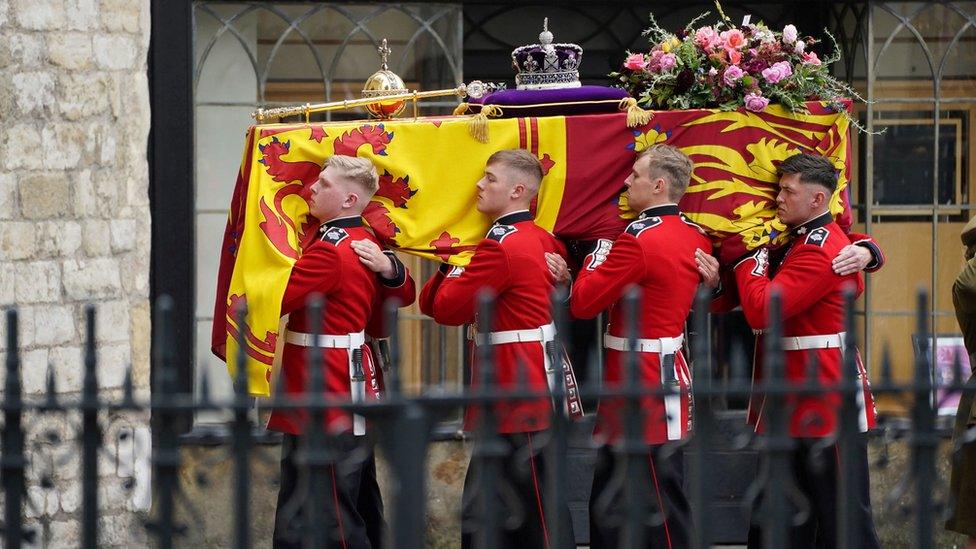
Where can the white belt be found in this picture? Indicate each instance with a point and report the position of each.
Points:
(801, 343)
(348, 341)
(357, 381)
(543, 334)
(664, 345)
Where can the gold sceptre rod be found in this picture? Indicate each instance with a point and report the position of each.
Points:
(280, 112)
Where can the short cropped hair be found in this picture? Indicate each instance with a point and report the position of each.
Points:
(671, 164)
(358, 170)
(812, 169)
(522, 161)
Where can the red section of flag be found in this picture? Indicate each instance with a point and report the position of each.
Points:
(228, 253)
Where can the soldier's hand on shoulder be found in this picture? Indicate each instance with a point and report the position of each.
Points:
(707, 267)
(373, 257)
(558, 268)
(851, 259)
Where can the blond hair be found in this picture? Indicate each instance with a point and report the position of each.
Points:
(671, 164)
(360, 171)
(521, 161)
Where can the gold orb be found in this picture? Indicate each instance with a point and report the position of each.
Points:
(384, 82)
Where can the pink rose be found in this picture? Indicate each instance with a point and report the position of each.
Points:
(668, 61)
(789, 34)
(735, 56)
(777, 72)
(707, 38)
(635, 62)
(733, 39)
(810, 58)
(755, 102)
(732, 75)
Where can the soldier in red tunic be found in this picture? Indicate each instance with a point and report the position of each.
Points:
(656, 253)
(340, 267)
(812, 323)
(510, 264)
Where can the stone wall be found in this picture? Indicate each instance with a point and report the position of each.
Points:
(75, 229)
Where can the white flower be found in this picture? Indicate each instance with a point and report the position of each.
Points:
(789, 34)
(800, 46)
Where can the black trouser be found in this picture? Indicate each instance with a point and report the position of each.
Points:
(666, 519)
(815, 471)
(520, 500)
(353, 507)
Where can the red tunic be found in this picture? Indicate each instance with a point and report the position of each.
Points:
(352, 295)
(812, 304)
(510, 262)
(657, 253)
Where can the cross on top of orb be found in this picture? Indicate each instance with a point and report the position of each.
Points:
(384, 51)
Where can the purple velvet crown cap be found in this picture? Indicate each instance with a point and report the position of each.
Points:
(546, 65)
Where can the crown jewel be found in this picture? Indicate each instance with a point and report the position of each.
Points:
(546, 65)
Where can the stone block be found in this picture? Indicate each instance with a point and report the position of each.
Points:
(64, 534)
(8, 285)
(41, 502)
(70, 489)
(39, 14)
(123, 234)
(96, 238)
(65, 145)
(82, 95)
(8, 195)
(84, 14)
(25, 329)
(68, 367)
(35, 91)
(109, 193)
(85, 201)
(26, 50)
(139, 321)
(33, 371)
(91, 278)
(135, 273)
(44, 195)
(122, 15)
(72, 51)
(58, 238)
(113, 362)
(112, 321)
(21, 144)
(38, 282)
(114, 52)
(17, 240)
(54, 325)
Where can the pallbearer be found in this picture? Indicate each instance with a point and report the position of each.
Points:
(339, 266)
(656, 253)
(509, 263)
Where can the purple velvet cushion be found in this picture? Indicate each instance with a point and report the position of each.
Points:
(565, 96)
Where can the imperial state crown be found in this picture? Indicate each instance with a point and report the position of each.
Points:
(545, 65)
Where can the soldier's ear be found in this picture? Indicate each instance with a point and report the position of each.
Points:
(518, 190)
(351, 200)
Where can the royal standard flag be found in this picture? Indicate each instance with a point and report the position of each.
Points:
(428, 169)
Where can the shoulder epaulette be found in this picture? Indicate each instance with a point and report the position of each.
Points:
(817, 237)
(693, 224)
(641, 225)
(334, 235)
(499, 232)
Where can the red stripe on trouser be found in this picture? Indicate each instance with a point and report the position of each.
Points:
(538, 496)
(335, 501)
(660, 502)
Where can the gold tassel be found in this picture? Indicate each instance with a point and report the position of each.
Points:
(463, 108)
(636, 116)
(478, 125)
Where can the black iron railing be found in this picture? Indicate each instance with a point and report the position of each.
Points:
(402, 424)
